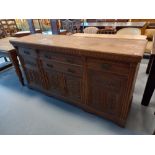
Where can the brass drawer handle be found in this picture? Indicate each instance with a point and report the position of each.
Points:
(50, 65)
(105, 66)
(70, 70)
(69, 60)
(30, 63)
(27, 52)
(47, 56)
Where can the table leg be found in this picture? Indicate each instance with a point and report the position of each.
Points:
(14, 60)
(150, 85)
(5, 59)
(149, 64)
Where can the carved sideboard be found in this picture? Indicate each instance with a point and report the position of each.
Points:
(96, 74)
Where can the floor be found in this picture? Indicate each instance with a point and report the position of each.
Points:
(25, 111)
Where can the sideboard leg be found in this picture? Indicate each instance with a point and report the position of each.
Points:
(14, 60)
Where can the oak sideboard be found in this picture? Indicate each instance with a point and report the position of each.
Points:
(96, 74)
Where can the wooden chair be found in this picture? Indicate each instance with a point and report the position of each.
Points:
(68, 25)
(129, 31)
(77, 25)
(2, 31)
(9, 26)
(91, 30)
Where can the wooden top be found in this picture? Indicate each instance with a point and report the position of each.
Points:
(110, 36)
(114, 24)
(5, 45)
(133, 48)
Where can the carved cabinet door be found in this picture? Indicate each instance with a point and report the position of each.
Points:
(73, 88)
(33, 73)
(106, 92)
(54, 82)
(65, 85)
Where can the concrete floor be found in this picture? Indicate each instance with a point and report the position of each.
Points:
(25, 111)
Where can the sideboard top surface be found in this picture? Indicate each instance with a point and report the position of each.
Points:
(118, 46)
(111, 36)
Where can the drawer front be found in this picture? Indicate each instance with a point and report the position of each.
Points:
(27, 52)
(30, 63)
(63, 67)
(61, 57)
(107, 66)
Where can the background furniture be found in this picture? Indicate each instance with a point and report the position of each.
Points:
(87, 72)
(129, 31)
(9, 26)
(149, 33)
(107, 31)
(143, 20)
(150, 85)
(77, 25)
(68, 25)
(91, 20)
(2, 31)
(25, 33)
(7, 50)
(71, 25)
(107, 20)
(91, 30)
(116, 25)
(6, 64)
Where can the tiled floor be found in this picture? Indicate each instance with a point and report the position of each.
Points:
(25, 111)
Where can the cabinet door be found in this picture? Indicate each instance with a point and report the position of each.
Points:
(33, 73)
(65, 85)
(34, 78)
(73, 88)
(54, 82)
(105, 91)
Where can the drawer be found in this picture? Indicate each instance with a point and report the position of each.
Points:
(27, 52)
(30, 63)
(61, 57)
(108, 66)
(63, 67)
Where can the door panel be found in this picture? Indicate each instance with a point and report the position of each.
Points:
(65, 85)
(105, 91)
(73, 88)
(54, 79)
(34, 78)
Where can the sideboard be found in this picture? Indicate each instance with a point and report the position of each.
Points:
(96, 74)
